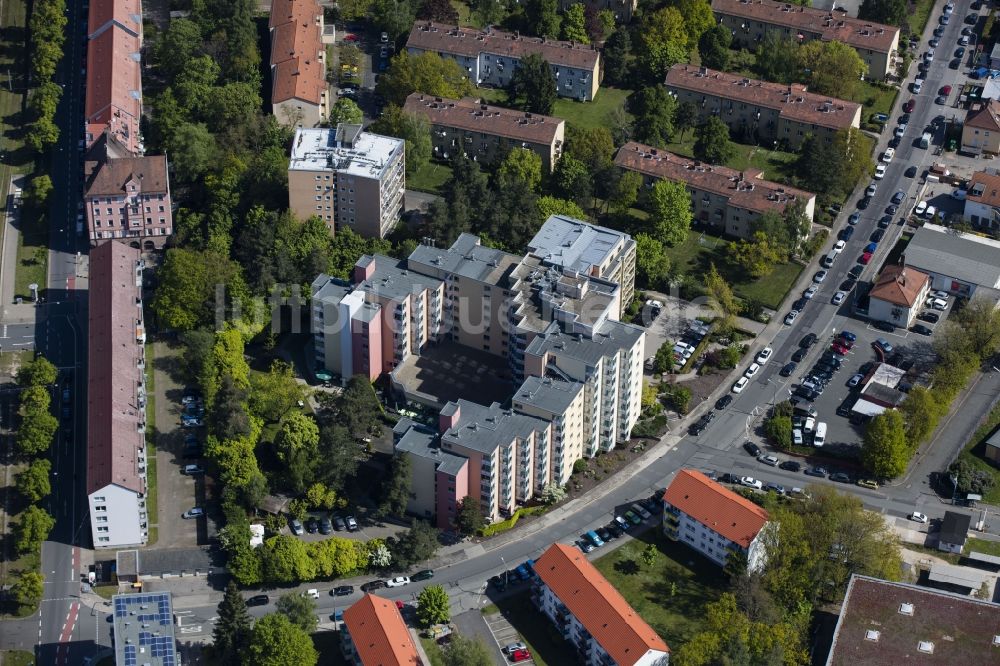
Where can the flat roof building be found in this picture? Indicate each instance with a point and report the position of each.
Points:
(751, 20)
(348, 178)
(116, 399)
(485, 132)
(959, 263)
(144, 630)
(760, 110)
(299, 92)
(491, 56)
(724, 198)
(375, 634)
(591, 614)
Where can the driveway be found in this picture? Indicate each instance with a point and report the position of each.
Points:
(472, 623)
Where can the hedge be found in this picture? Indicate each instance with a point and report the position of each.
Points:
(503, 526)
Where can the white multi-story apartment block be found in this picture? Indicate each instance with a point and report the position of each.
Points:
(116, 399)
(490, 57)
(347, 178)
(713, 520)
(591, 614)
(562, 404)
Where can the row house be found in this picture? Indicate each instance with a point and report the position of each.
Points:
(490, 57)
(723, 198)
(299, 93)
(128, 199)
(487, 133)
(750, 20)
(113, 96)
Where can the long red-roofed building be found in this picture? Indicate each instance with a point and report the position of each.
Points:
(374, 634)
(713, 520)
(113, 98)
(116, 399)
(299, 92)
(593, 615)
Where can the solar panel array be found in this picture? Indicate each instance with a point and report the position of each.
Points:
(152, 612)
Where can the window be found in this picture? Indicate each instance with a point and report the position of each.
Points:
(103, 529)
(100, 508)
(103, 539)
(102, 519)
(99, 499)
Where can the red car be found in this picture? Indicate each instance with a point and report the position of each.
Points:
(350, 38)
(909, 106)
(839, 349)
(520, 655)
(866, 257)
(946, 90)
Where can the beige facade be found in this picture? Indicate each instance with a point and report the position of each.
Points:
(562, 404)
(347, 178)
(487, 133)
(762, 111)
(981, 131)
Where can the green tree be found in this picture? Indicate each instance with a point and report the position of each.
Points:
(462, 651)
(723, 299)
(321, 497)
(757, 256)
(543, 17)
(176, 46)
(574, 24)
(712, 142)
(417, 544)
(428, 73)
(533, 87)
(626, 192)
(884, 452)
(488, 12)
(28, 589)
(670, 212)
(618, 56)
(698, 19)
(654, 109)
(194, 144)
(274, 393)
(521, 165)
(980, 323)
(31, 529)
(277, 642)
(299, 609)
(233, 627)
(713, 46)
(414, 130)
(779, 430)
(921, 411)
(891, 12)
(777, 58)
(38, 190)
(393, 16)
(651, 261)
(285, 559)
(664, 42)
(243, 561)
(186, 295)
(38, 372)
(433, 606)
(33, 482)
(650, 554)
(396, 489)
(469, 515)
(663, 361)
(572, 179)
(835, 67)
(345, 110)
(38, 427)
(441, 11)
(296, 445)
(548, 206)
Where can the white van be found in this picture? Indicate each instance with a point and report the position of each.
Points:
(820, 437)
(829, 259)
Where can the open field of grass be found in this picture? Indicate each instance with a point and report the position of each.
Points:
(918, 15)
(670, 595)
(777, 165)
(974, 545)
(598, 113)
(429, 178)
(17, 658)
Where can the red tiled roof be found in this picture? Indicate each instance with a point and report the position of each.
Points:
(984, 188)
(296, 46)
(469, 114)
(899, 285)
(469, 42)
(108, 178)
(744, 189)
(716, 507)
(984, 116)
(113, 375)
(792, 102)
(598, 606)
(821, 23)
(126, 13)
(379, 635)
(113, 78)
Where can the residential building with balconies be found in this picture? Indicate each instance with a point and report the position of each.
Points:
(127, 199)
(116, 467)
(713, 520)
(760, 111)
(591, 614)
(731, 201)
(490, 57)
(348, 178)
(375, 634)
(561, 403)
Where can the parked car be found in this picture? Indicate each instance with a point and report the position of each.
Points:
(258, 600)
(838, 298)
(192, 470)
(425, 574)
(297, 528)
(790, 466)
(868, 483)
(751, 482)
(373, 585)
(856, 271)
(855, 380)
(921, 329)
(752, 448)
(853, 219)
(816, 471)
(799, 354)
(787, 369)
(325, 525)
(196, 512)
(883, 344)
(908, 107)
(930, 317)
(790, 317)
(312, 525)
(918, 517)
(342, 590)
(398, 581)
(820, 276)
(764, 355)
(723, 402)
(352, 524)
(840, 477)
(770, 461)
(775, 488)
(738, 387)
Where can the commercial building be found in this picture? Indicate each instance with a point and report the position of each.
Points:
(348, 178)
(374, 634)
(490, 57)
(713, 520)
(891, 623)
(591, 614)
(760, 110)
(726, 199)
(751, 20)
(299, 92)
(982, 201)
(113, 97)
(127, 199)
(898, 295)
(981, 130)
(144, 630)
(487, 133)
(116, 399)
(959, 263)
(622, 9)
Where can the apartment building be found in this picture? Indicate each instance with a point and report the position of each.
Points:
(751, 20)
(116, 399)
(561, 403)
(299, 92)
(622, 9)
(127, 199)
(585, 249)
(487, 133)
(374, 634)
(491, 56)
(898, 295)
(726, 199)
(347, 178)
(713, 520)
(591, 614)
(759, 110)
(981, 130)
(113, 97)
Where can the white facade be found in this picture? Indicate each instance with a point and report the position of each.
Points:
(680, 526)
(118, 517)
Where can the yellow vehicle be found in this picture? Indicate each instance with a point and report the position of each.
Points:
(868, 483)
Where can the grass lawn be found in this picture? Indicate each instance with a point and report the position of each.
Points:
(151, 503)
(547, 647)
(671, 595)
(918, 15)
(694, 256)
(16, 658)
(464, 13)
(777, 165)
(34, 236)
(597, 113)
(981, 546)
(433, 651)
(973, 453)
(874, 99)
(429, 178)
